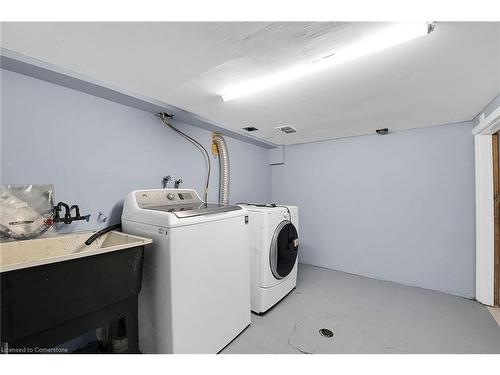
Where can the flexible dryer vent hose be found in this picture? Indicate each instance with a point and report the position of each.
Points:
(224, 170)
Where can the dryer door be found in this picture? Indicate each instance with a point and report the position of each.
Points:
(284, 249)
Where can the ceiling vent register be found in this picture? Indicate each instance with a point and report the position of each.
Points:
(287, 129)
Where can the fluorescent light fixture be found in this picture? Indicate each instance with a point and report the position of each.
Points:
(389, 37)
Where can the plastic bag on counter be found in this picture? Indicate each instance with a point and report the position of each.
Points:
(24, 210)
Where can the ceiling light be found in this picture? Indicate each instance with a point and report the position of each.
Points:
(391, 36)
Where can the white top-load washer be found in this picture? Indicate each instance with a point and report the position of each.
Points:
(274, 247)
(195, 295)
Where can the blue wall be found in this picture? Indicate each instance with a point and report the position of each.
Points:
(95, 151)
(398, 207)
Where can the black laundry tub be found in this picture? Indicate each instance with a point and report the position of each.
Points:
(44, 305)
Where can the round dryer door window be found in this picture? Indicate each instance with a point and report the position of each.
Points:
(284, 249)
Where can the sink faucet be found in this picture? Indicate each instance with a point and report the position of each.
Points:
(165, 181)
(67, 219)
(57, 209)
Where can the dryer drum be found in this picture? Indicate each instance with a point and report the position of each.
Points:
(284, 249)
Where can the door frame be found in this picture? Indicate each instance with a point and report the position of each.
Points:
(487, 254)
(496, 218)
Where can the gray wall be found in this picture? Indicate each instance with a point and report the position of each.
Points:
(398, 207)
(95, 151)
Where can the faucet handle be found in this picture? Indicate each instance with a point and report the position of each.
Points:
(76, 208)
(102, 217)
(165, 180)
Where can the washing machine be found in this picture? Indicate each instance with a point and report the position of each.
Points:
(195, 295)
(274, 245)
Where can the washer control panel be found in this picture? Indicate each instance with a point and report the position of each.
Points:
(166, 197)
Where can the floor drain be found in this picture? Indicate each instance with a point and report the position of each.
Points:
(325, 332)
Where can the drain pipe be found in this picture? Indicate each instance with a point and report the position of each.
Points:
(224, 171)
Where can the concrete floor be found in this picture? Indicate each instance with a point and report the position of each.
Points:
(368, 316)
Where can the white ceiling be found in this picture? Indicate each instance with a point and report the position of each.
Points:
(447, 76)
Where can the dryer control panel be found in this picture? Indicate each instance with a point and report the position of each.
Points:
(166, 197)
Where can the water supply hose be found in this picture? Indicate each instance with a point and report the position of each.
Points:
(166, 118)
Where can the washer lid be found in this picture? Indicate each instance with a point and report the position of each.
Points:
(284, 249)
(197, 209)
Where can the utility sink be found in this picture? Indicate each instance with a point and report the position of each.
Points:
(56, 288)
(23, 254)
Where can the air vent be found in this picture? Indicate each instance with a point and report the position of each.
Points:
(287, 129)
(383, 131)
(250, 129)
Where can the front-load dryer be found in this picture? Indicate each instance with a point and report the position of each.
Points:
(274, 247)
